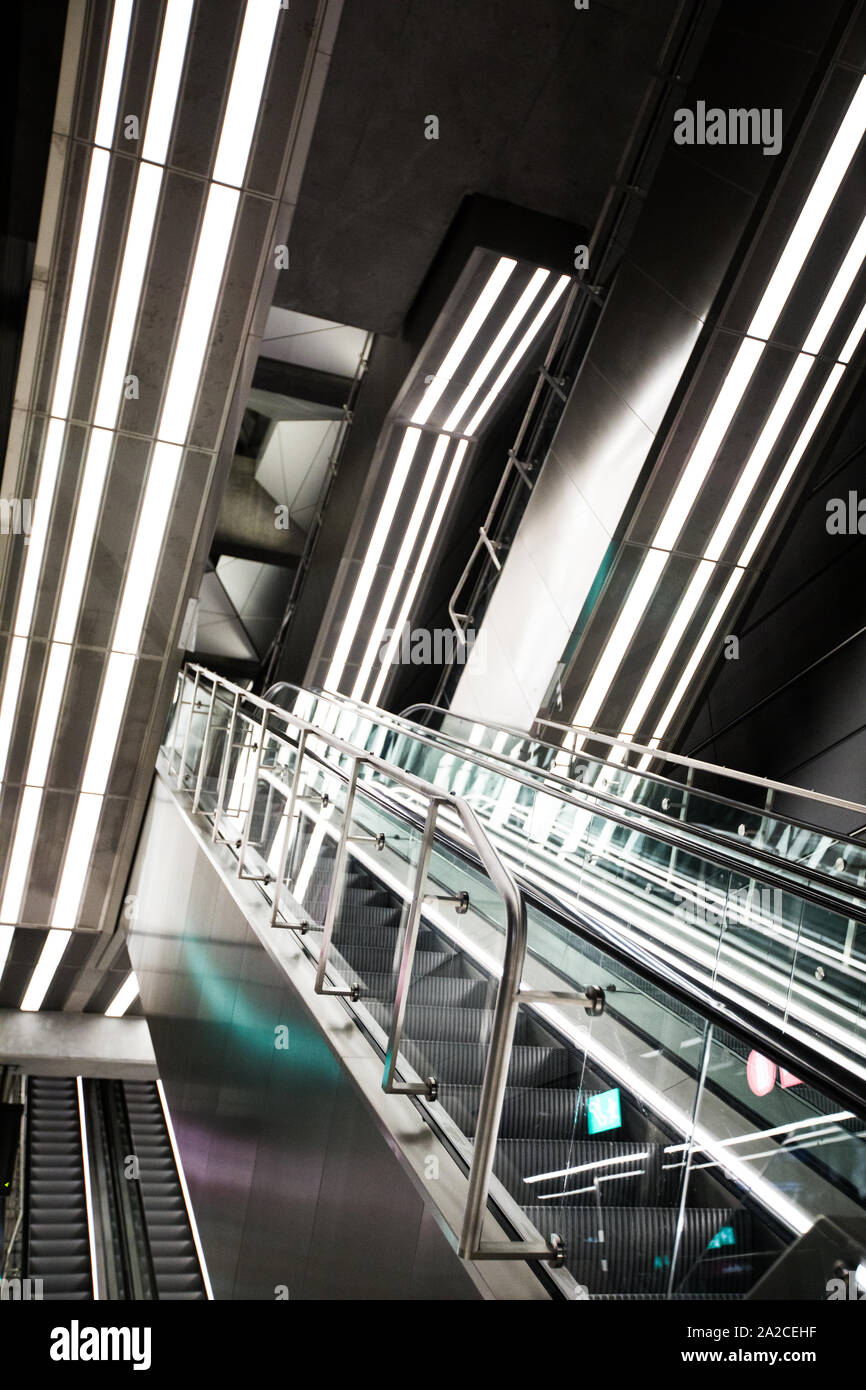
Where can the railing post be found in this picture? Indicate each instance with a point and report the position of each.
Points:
(287, 833)
(224, 769)
(181, 683)
(404, 974)
(335, 896)
(245, 840)
(493, 1095)
(187, 731)
(202, 762)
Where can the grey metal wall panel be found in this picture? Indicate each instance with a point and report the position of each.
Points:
(292, 1180)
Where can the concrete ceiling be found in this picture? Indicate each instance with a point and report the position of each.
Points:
(535, 103)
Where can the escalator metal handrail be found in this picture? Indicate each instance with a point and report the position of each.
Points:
(735, 1018)
(750, 1029)
(692, 764)
(837, 896)
(695, 764)
(508, 997)
(501, 1041)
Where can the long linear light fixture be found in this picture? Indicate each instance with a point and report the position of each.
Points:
(109, 398)
(767, 440)
(456, 423)
(211, 254)
(775, 296)
(124, 997)
(69, 347)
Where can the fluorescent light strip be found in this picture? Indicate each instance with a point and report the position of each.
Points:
(51, 956)
(83, 530)
(11, 689)
(748, 479)
(773, 1133)
(112, 702)
(401, 564)
(460, 346)
(88, 1195)
(196, 325)
(146, 547)
(6, 935)
(699, 581)
(166, 83)
(75, 866)
(420, 568)
(465, 338)
(815, 209)
(248, 80)
(19, 860)
(496, 349)
(615, 648)
(517, 355)
(124, 997)
(772, 302)
(384, 521)
(112, 77)
(195, 330)
(713, 623)
(124, 314)
(838, 292)
(79, 291)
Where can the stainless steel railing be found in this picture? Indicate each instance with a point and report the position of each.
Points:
(765, 866)
(659, 755)
(269, 720)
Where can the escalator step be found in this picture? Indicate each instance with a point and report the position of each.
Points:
(465, 1062)
(444, 1023)
(543, 1112)
(628, 1250)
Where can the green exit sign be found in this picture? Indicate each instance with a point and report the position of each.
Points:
(603, 1111)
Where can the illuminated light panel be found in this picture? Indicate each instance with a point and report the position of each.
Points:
(123, 998)
(462, 343)
(112, 77)
(384, 521)
(519, 352)
(772, 302)
(124, 314)
(44, 971)
(748, 479)
(248, 80)
(211, 254)
(166, 84)
(714, 621)
(465, 338)
(204, 286)
(412, 589)
(814, 210)
(496, 349)
(401, 564)
(19, 860)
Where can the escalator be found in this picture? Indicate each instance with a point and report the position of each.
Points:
(620, 1228)
(172, 1249)
(665, 1129)
(105, 1211)
(58, 1249)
